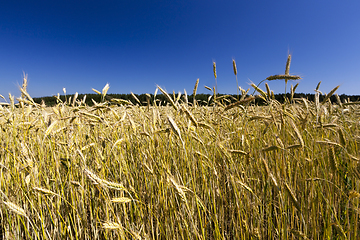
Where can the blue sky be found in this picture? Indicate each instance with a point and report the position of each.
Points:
(136, 45)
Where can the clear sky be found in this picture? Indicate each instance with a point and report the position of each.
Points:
(136, 45)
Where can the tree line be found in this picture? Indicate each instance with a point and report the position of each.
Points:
(201, 99)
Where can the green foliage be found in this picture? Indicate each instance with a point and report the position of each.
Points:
(202, 99)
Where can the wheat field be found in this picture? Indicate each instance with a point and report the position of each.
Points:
(117, 170)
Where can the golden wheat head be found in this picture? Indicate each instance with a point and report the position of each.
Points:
(234, 67)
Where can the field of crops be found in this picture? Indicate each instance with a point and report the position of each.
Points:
(118, 170)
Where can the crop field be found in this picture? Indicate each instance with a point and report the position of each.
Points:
(117, 170)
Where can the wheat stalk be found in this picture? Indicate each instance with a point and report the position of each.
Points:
(208, 88)
(104, 91)
(214, 70)
(235, 72)
(234, 67)
(282, 76)
(24, 85)
(113, 185)
(287, 68)
(190, 116)
(136, 99)
(121, 200)
(292, 197)
(50, 128)
(15, 208)
(263, 94)
(74, 100)
(111, 225)
(45, 191)
(178, 188)
(298, 134)
(169, 98)
(332, 160)
(268, 90)
(199, 154)
(330, 94)
(97, 180)
(238, 152)
(194, 92)
(175, 128)
(338, 100)
(341, 137)
(186, 97)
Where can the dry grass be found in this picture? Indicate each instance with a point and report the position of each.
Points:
(224, 171)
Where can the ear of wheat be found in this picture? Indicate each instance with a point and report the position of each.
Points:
(214, 70)
(287, 68)
(15, 208)
(169, 98)
(235, 72)
(111, 225)
(175, 128)
(194, 92)
(234, 67)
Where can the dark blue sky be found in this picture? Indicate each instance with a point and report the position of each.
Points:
(136, 45)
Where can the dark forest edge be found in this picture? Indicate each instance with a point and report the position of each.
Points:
(202, 99)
